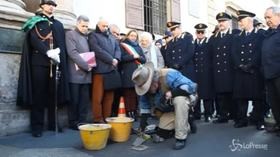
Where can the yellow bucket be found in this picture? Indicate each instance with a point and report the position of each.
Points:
(94, 136)
(121, 128)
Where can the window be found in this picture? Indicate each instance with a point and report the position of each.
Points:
(151, 15)
(134, 14)
(155, 16)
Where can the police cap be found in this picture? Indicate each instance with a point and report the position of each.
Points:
(256, 23)
(242, 14)
(200, 27)
(222, 16)
(172, 24)
(50, 2)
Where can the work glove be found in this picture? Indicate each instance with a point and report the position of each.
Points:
(54, 55)
(193, 99)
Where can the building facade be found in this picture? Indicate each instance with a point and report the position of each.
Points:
(143, 15)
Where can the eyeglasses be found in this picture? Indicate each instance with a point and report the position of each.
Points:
(200, 32)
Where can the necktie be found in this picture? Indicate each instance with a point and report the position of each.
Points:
(222, 35)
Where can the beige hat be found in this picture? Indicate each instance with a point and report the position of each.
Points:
(142, 78)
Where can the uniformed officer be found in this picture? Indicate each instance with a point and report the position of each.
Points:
(220, 47)
(43, 51)
(203, 71)
(248, 81)
(258, 24)
(179, 51)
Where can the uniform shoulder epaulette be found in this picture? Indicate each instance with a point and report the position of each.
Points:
(207, 39)
(241, 33)
(216, 34)
(184, 34)
(256, 30)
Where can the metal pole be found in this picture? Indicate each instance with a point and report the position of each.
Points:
(57, 76)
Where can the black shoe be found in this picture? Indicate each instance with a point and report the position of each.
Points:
(207, 119)
(260, 127)
(179, 144)
(37, 134)
(220, 120)
(240, 125)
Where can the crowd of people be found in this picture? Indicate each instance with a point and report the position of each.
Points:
(169, 77)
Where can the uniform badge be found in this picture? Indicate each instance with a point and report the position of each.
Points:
(169, 24)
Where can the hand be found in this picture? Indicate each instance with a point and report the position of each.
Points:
(136, 56)
(115, 62)
(54, 54)
(193, 99)
(246, 68)
(89, 68)
(168, 95)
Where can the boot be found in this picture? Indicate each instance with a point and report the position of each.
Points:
(179, 144)
(193, 126)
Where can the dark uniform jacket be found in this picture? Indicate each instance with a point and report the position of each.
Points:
(178, 54)
(203, 69)
(220, 48)
(246, 54)
(128, 64)
(271, 53)
(34, 54)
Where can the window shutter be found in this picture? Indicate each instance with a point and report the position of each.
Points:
(175, 10)
(134, 14)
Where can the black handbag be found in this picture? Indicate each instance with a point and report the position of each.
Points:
(112, 80)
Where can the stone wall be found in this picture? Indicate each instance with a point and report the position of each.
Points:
(12, 16)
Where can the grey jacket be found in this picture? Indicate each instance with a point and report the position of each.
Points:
(77, 43)
(147, 53)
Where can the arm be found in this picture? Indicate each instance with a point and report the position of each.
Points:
(73, 52)
(37, 43)
(99, 51)
(190, 49)
(160, 60)
(234, 52)
(175, 79)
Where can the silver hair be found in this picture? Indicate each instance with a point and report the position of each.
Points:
(147, 35)
(83, 18)
(275, 10)
(114, 26)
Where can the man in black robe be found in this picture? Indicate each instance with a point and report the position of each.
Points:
(43, 66)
